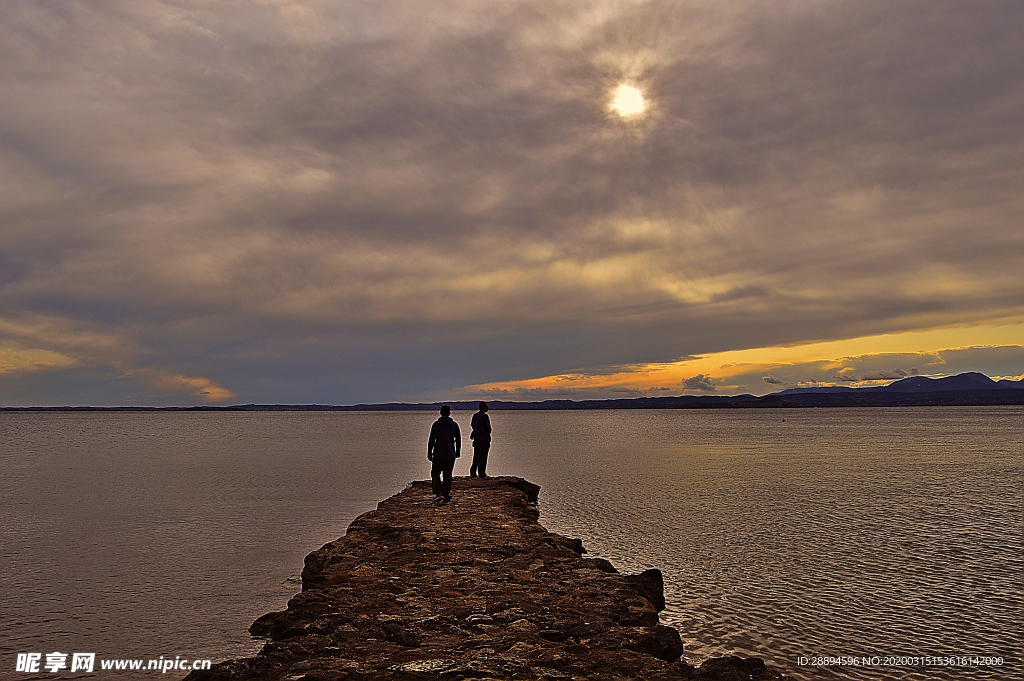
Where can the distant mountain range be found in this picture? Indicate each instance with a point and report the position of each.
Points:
(970, 389)
(922, 384)
(967, 389)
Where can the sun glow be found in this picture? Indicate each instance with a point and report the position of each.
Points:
(628, 102)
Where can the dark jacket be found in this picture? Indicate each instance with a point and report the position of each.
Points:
(481, 427)
(445, 442)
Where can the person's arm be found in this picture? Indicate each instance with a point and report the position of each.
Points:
(432, 442)
(458, 442)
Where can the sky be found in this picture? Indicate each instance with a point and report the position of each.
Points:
(343, 202)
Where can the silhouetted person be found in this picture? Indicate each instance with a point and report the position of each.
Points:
(481, 437)
(444, 446)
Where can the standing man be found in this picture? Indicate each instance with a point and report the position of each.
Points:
(481, 437)
(444, 446)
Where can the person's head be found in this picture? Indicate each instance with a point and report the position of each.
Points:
(446, 410)
(483, 406)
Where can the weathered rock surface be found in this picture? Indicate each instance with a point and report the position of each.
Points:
(475, 589)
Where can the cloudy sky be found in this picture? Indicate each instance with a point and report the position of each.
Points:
(344, 201)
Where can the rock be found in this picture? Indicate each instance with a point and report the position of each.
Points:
(475, 589)
(651, 585)
(732, 669)
(264, 624)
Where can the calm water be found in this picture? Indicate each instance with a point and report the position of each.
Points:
(834, 532)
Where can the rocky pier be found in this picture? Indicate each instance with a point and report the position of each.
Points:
(475, 589)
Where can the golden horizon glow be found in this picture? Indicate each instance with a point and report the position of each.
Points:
(724, 367)
(628, 102)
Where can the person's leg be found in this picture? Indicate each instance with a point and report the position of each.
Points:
(446, 484)
(435, 477)
(481, 453)
(476, 470)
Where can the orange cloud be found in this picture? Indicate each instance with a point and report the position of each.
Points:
(25, 361)
(205, 389)
(993, 350)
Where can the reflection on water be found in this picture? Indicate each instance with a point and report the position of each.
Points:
(148, 534)
(837, 532)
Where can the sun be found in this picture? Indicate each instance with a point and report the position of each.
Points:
(628, 102)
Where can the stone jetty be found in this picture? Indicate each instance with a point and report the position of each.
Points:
(475, 589)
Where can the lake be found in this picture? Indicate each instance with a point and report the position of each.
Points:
(793, 535)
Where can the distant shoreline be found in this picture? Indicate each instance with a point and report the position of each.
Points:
(963, 390)
(853, 398)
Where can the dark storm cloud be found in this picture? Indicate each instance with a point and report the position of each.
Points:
(700, 382)
(327, 201)
(991, 361)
